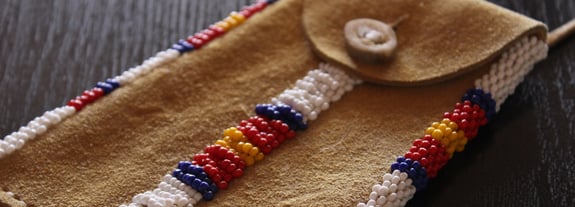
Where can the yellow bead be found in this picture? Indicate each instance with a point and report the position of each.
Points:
(249, 161)
(238, 135)
(460, 134)
(429, 130)
(435, 125)
(445, 121)
(247, 147)
(442, 127)
(453, 126)
(445, 142)
(452, 136)
(254, 151)
(238, 17)
(224, 25)
(450, 150)
(259, 156)
(437, 134)
(447, 130)
(222, 143)
(229, 131)
(233, 23)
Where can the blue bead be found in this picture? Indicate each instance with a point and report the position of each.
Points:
(208, 196)
(270, 1)
(196, 183)
(113, 82)
(409, 161)
(106, 87)
(400, 159)
(203, 186)
(411, 173)
(183, 165)
(177, 173)
(284, 109)
(416, 165)
(213, 188)
(260, 109)
(202, 175)
(403, 166)
(394, 166)
(187, 179)
(185, 46)
(196, 170)
(179, 48)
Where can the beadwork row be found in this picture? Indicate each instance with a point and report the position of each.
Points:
(39, 125)
(251, 140)
(478, 106)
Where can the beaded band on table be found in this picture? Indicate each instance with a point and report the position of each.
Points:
(40, 125)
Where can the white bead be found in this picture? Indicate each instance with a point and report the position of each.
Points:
(383, 191)
(393, 188)
(392, 197)
(381, 200)
(387, 176)
(395, 179)
(52, 117)
(403, 176)
(386, 183)
(361, 205)
(373, 196)
(376, 187)
(371, 203)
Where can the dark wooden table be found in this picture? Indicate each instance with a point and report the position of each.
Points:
(52, 50)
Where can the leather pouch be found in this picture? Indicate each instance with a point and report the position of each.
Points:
(124, 143)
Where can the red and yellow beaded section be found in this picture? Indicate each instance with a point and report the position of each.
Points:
(235, 140)
(447, 133)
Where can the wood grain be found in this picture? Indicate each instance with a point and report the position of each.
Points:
(52, 50)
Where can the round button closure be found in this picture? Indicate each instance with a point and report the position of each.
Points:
(369, 40)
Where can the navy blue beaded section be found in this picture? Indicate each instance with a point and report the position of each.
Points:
(484, 100)
(183, 46)
(283, 113)
(195, 177)
(414, 170)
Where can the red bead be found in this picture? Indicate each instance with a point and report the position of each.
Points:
(266, 149)
(225, 163)
(210, 33)
(98, 92)
(77, 104)
(433, 150)
(423, 152)
(226, 176)
(217, 30)
(197, 43)
(237, 173)
(408, 155)
(230, 168)
(202, 36)
(222, 184)
(290, 134)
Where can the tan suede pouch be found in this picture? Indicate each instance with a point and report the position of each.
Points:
(123, 144)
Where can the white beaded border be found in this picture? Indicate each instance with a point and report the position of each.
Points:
(501, 81)
(313, 93)
(41, 124)
(511, 68)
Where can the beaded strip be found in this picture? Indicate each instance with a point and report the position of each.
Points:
(40, 125)
(252, 139)
(442, 139)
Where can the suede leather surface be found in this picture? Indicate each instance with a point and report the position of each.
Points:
(439, 39)
(124, 143)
